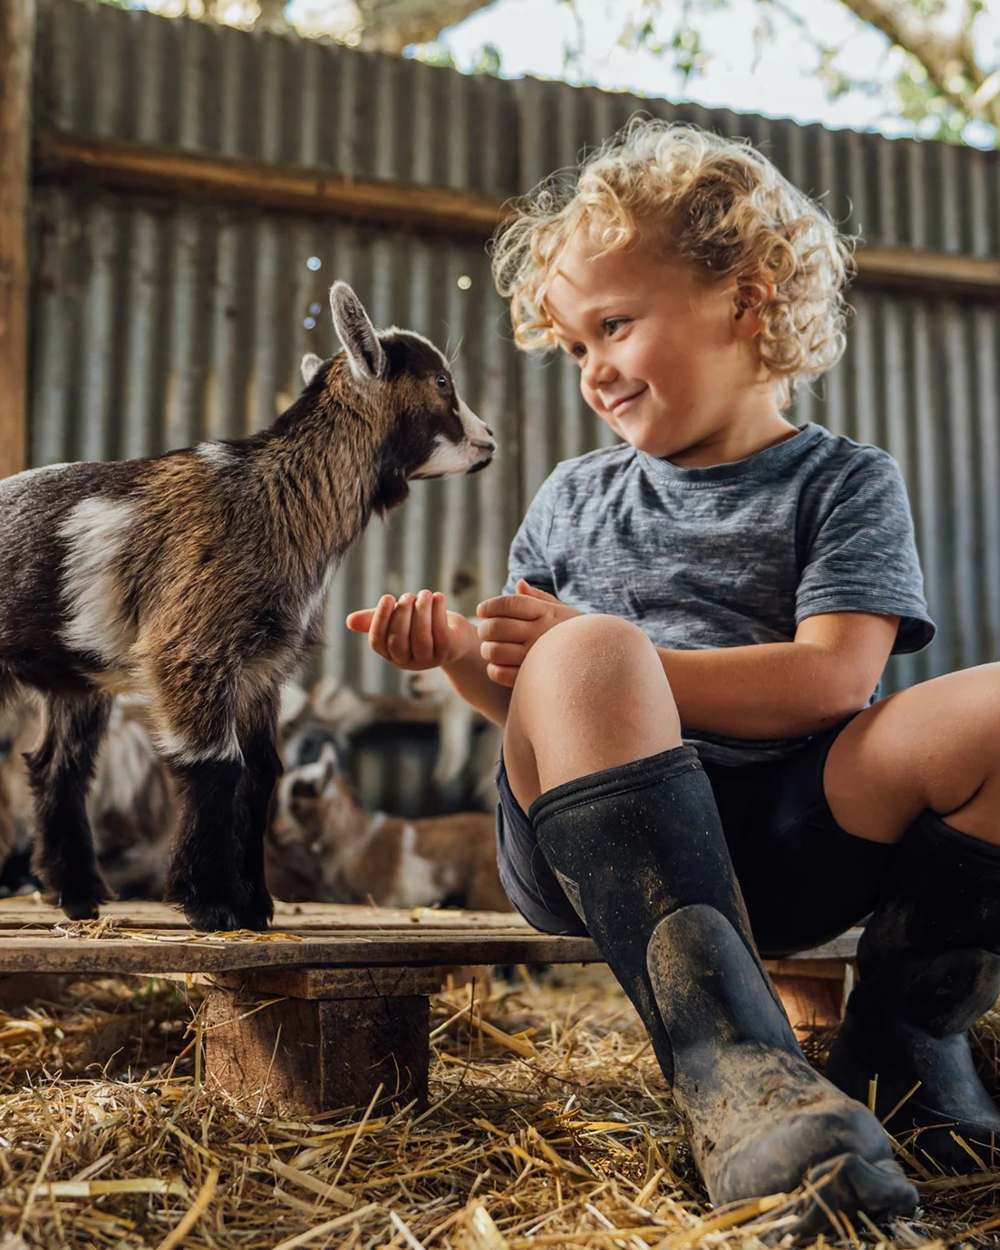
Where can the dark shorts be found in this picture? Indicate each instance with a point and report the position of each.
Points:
(804, 879)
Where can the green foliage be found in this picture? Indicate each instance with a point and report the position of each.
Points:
(662, 30)
(937, 115)
(488, 59)
(433, 54)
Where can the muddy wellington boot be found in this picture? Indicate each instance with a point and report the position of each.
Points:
(640, 851)
(929, 961)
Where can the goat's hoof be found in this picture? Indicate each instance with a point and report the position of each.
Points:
(84, 901)
(81, 908)
(222, 916)
(260, 911)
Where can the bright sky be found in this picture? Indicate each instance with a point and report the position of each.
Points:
(778, 78)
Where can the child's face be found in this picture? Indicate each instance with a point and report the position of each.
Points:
(664, 360)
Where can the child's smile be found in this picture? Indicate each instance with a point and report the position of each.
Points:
(664, 359)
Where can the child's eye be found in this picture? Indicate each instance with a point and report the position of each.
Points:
(578, 351)
(612, 324)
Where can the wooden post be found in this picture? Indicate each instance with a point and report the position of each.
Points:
(17, 38)
(303, 1042)
(814, 992)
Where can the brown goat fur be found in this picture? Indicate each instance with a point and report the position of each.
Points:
(131, 803)
(325, 843)
(197, 579)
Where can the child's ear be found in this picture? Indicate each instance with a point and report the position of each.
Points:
(749, 297)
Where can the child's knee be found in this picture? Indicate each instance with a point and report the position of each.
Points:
(592, 653)
(600, 683)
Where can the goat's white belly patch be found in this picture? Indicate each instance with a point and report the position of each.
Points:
(96, 532)
(416, 883)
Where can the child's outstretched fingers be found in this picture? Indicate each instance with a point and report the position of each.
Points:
(415, 632)
(439, 623)
(374, 622)
(359, 620)
(378, 629)
(398, 632)
(421, 630)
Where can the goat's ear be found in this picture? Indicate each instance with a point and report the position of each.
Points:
(356, 333)
(310, 363)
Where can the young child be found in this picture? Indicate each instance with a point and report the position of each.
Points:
(686, 661)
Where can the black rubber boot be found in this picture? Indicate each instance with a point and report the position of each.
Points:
(929, 961)
(642, 856)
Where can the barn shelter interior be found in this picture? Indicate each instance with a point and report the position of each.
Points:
(177, 198)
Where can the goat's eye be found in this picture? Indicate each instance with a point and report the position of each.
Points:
(442, 381)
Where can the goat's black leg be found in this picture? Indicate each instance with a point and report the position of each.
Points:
(195, 702)
(263, 768)
(60, 771)
(205, 874)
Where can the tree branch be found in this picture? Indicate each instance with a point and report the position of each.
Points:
(940, 54)
(391, 25)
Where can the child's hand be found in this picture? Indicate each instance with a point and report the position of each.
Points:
(416, 633)
(511, 626)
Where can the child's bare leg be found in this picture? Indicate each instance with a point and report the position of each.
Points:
(919, 769)
(604, 678)
(626, 818)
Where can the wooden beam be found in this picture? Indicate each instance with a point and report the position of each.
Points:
(188, 175)
(937, 273)
(17, 38)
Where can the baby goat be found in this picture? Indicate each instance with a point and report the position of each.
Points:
(197, 578)
(325, 845)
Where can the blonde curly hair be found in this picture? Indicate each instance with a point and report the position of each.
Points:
(699, 197)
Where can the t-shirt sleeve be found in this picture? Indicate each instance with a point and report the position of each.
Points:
(863, 555)
(528, 556)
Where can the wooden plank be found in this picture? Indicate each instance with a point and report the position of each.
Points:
(189, 175)
(30, 913)
(930, 273)
(19, 913)
(334, 982)
(151, 937)
(168, 953)
(37, 953)
(813, 1002)
(822, 967)
(17, 38)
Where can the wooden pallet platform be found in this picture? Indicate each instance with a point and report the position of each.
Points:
(333, 1000)
(151, 937)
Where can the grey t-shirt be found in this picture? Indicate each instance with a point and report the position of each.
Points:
(731, 554)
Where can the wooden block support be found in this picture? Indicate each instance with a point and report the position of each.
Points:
(314, 1040)
(19, 988)
(814, 993)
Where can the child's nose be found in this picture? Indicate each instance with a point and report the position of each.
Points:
(597, 371)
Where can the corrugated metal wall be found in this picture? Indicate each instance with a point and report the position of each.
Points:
(157, 323)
